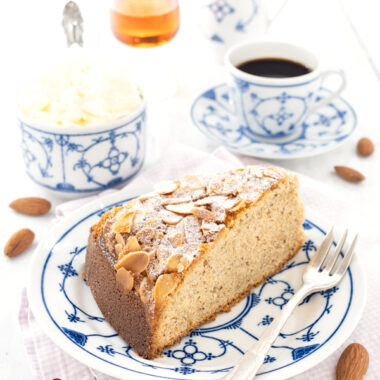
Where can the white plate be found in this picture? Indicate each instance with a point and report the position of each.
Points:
(65, 309)
(322, 131)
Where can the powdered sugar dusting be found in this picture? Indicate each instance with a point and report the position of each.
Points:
(165, 225)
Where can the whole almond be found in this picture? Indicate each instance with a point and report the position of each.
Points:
(353, 363)
(31, 206)
(365, 147)
(19, 242)
(349, 174)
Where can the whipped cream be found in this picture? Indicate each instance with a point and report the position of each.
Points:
(79, 90)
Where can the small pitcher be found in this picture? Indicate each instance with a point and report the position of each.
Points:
(224, 23)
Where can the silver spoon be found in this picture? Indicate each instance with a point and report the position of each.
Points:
(72, 23)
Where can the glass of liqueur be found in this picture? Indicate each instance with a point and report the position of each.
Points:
(145, 23)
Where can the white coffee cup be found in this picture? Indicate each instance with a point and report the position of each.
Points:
(274, 108)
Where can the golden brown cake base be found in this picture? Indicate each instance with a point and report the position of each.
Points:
(126, 313)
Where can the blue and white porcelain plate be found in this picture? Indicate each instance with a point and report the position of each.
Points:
(322, 131)
(64, 307)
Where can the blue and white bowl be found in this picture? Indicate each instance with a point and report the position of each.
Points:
(80, 160)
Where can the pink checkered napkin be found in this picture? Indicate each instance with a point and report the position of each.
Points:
(48, 361)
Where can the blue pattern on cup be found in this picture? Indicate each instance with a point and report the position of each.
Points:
(216, 115)
(273, 116)
(84, 162)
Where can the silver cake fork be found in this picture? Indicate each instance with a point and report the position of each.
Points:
(323, 272)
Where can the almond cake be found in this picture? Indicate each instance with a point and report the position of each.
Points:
(170, 260)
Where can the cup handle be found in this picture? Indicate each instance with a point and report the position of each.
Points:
(276, 14)
(335, 93)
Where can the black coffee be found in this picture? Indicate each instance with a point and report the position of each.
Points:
(274, 68)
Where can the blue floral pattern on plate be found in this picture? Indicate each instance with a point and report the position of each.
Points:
(323, 130)
(72, 318)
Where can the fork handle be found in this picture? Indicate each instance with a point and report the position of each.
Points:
(252, 360)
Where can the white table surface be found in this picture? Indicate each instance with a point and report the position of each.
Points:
(30, 33)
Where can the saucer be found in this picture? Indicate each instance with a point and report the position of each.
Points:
(323, 130)
(63, 305)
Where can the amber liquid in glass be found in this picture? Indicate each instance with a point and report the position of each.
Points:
(144, 28)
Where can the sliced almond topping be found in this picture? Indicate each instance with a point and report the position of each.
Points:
(176, 239)
(214, 187)
(165, 284)
(219, 212)
(145, 236)
(173, 263)
(124, 280)
(190, 178)
(171, 219)
(166, 187)
(146, 196)
(136, 262)
(143, 295)
(175, 201)
(123, 224)
(230, 186)
(182, 209)
(132, 203)
(191, 228)
(210, 230)
(229, 203)
(132, 245)
(177, 263)
(210, 200)
(119, 249)
(238, 205)
(144, 289)
(202, 213)
(137, 220)
(183, 264)
(194, 181)
(152, 254)
(119, 239)
(198, 194)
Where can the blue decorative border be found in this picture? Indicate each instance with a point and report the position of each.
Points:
(200, 330)
(96, 190)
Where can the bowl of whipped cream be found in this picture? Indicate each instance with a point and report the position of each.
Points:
(82, 124)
